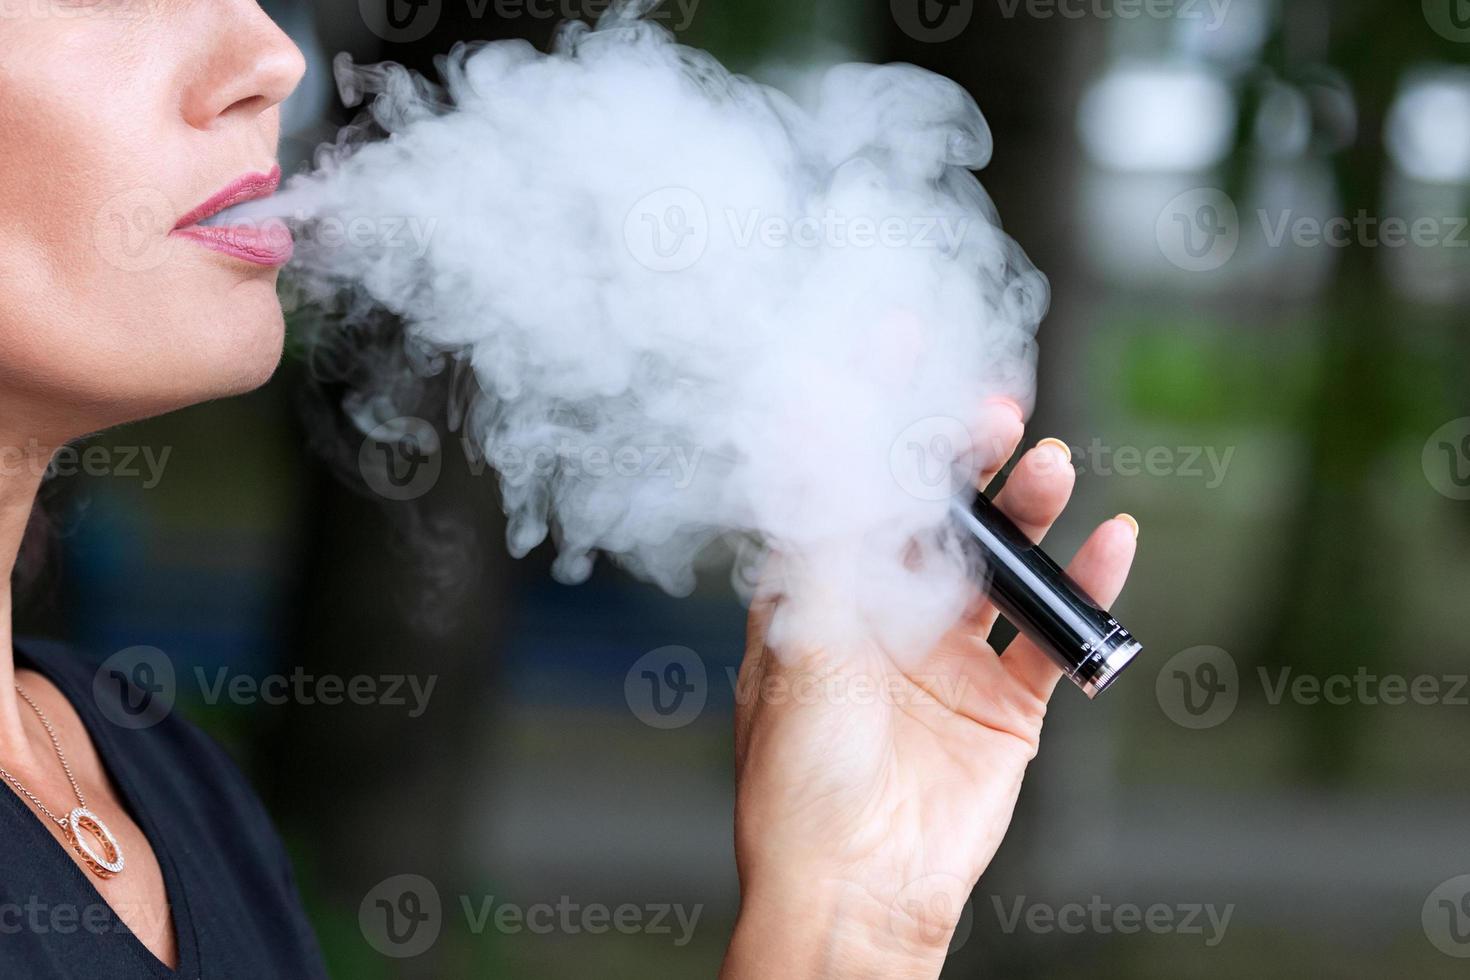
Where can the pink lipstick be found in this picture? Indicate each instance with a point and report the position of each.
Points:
(266, 243)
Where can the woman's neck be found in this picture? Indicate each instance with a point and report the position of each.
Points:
(23, 465)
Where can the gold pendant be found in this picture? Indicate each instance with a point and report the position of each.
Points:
(103, 864)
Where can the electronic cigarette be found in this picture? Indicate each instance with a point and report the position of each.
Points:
(1043, 602)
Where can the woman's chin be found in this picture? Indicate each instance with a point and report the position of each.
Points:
(239, 353)
(261, 354)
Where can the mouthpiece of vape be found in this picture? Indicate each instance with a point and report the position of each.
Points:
(1043, 603)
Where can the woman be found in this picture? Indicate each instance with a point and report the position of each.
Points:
(862, 824)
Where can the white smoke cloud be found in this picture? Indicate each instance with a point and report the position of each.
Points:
(638, 253)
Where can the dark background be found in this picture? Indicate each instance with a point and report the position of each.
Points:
(1329, 382)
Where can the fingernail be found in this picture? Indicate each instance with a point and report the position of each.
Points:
(1010, 406)
(1131, 521)
(1059, 444)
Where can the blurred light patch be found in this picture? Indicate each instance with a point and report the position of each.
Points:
(1158, 118)
(1284, 122)
(1428, 129)
(1232, 33)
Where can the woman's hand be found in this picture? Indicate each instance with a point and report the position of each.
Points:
(865, 815)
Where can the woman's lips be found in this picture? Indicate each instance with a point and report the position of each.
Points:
(267, 243)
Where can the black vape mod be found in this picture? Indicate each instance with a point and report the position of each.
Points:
(1043, 602)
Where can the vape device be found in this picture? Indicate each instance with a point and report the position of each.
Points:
(1043, 602)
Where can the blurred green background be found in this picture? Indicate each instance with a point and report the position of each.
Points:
(1287, 415)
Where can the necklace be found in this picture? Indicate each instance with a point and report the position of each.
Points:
(81, 825)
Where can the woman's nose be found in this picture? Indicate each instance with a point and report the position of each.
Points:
(249, 66)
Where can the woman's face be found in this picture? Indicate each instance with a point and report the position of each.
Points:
(118, 119)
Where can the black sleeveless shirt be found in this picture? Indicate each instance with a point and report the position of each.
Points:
(236, 911)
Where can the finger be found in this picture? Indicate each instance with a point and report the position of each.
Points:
(997, 432)
(1034, 497)
(1101, 569)
(1039, 488)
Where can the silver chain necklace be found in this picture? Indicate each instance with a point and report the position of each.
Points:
(104, 863)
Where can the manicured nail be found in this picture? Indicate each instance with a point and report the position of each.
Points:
(1059, 444)
(1010, 405)
(1130, 520)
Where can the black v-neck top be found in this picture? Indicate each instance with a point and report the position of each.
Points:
(236, 910)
